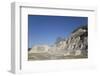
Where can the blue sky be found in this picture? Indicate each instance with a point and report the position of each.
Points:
(46, 29)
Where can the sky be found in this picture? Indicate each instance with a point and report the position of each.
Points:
(45, 30)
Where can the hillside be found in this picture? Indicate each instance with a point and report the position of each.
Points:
(75, 46)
